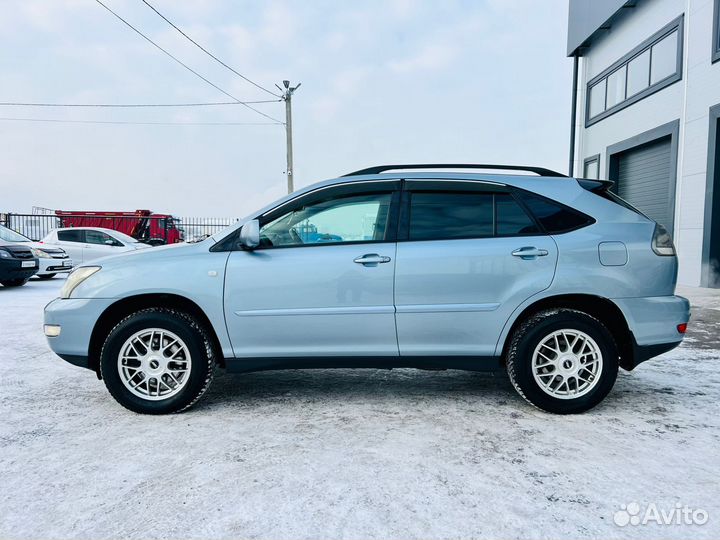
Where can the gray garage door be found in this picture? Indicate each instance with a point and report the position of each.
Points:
(644, 180)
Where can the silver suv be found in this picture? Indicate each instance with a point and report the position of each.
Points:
(554, 279)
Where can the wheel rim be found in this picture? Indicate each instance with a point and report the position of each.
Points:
(567, 364)
(154, 364)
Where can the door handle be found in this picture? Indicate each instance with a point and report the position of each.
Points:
(529, 252)
(371, 259)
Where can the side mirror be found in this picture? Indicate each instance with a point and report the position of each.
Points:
(250, 234)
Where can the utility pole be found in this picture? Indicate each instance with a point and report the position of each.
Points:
(287, 98)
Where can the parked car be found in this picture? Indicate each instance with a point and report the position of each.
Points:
(51, 260)
(554, 279)
(87, 243)
(17, 265)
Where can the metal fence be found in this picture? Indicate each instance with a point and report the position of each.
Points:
(151, 229)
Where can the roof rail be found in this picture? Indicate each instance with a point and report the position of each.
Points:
(540, 171)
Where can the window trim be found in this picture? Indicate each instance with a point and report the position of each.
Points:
(675, 25)
(589, 160)
(716, 33)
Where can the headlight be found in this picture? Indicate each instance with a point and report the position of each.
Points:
(40, 254)
(4, 254)
(75, 278)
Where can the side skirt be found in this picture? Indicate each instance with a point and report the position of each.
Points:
(467, 363)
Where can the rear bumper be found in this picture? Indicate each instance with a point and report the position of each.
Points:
(654, 322)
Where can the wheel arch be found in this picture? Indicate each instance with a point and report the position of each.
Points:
(126, 306)
(603, 309)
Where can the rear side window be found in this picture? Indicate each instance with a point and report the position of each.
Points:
(71, 236)
(554, 217)
(511, 219)
(445, 216)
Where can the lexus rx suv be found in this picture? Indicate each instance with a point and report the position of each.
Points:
(554, 279)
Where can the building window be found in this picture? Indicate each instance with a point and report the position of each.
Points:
(591, 167)
(653, 65)
(716, 32)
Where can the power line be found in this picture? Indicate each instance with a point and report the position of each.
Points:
(203, 49)
(191, 70)
(130, 105)
(121, 122)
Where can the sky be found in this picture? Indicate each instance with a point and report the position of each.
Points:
(385, 81)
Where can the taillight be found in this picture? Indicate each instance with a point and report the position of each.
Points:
(662, 243)
(682, 328)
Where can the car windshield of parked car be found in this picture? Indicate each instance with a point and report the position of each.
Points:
(8, 235)
(360, 218)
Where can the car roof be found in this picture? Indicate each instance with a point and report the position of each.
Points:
(100, 229)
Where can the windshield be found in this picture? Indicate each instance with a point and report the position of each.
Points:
(9, 235)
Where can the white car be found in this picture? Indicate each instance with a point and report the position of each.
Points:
(53, 260)
(84, 244)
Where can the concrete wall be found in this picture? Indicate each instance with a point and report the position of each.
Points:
(688, 100)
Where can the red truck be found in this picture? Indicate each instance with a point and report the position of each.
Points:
(153, 229)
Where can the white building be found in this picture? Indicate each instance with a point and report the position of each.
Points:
(647, 115)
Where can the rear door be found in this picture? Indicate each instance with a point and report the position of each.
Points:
(468, 254)
(72, 241)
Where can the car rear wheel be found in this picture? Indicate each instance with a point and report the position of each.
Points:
(14, 282)
(157, 361)
(563, 361)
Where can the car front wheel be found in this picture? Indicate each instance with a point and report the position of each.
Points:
(563, 361)
(157, 361)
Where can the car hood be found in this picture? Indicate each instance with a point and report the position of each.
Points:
(30, 245)
(159, 253)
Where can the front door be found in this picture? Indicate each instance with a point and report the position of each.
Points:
(468, 255)
(321, 281)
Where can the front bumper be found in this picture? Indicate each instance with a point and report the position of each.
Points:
(654, 322)
(55, 266)
(11, 269)
(76, 318)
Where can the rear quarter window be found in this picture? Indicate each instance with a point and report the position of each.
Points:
(554, 217)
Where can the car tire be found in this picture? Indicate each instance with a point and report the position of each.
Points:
(46, 276)
(157, 361)
(562, 361)
(14, 282)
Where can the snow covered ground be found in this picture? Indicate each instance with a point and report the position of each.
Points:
(352, 454)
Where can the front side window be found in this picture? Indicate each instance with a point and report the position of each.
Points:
(98, 237)
(355, 218)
